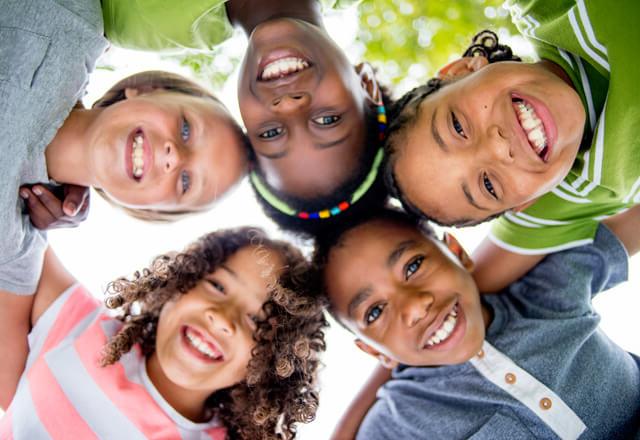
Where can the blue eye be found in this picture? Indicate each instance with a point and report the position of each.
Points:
(185, 181)
(185, 130)
(413, 266)
(489, 186)
(271, 133)
(326, 120)
(372, 314)
(457, 126)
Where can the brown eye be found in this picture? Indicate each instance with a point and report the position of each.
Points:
(271, 133)
(489, 186)
(326, 120)
(457, 126)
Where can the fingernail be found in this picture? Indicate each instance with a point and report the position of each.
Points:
(71, 207)
(24, 194)
(37, 190)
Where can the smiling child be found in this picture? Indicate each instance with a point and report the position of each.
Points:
(551, 144)
(530, 362)
(218, 341)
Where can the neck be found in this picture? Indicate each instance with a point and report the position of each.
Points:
(487, 316)
(189, 403)
(67, 154)
(247, 14)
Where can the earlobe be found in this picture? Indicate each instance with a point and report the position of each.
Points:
(384, 360)
(454, 246)
(462, 67)
(369, 82)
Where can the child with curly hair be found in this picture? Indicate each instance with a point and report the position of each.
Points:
(529, 362)
(218, 341)
(551, 145)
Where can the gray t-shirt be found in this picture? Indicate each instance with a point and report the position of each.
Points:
(546, 370)
(47, 49)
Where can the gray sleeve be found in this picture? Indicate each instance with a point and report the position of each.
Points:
(385, 422)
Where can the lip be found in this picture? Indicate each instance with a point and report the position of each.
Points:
(543, 113)
(146, 151)
(278, 54)
(205, 336)
(454, 337)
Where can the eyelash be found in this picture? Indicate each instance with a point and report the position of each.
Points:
(327, 120)
(271, 133)
(216, 285)
(369, 317)
(489, 186)
(185, 129)
(409, 267)
(185, 181)
(457, 126)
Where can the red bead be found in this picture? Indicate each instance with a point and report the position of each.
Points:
(343, 206)
(304, 215)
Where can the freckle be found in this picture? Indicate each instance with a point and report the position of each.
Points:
(484, 106)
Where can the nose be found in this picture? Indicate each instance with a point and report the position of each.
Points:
(499, 146)
(415, 308)
(170, 158)
(220, 321)
(291, 102)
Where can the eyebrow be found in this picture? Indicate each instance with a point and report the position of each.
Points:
(358, 299)
(436, 134)
(395, 255)
(470, 199)
(230, 271)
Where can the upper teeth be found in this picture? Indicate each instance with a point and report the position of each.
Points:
(137, 153)
(532, 126)
(445, 329)
(200, 345)
(283, 67)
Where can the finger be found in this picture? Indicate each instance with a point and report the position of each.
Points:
(75, 198)
(49, 200)
(40, 216)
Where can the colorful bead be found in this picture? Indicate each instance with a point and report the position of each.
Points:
(324, 213)
(335, 210)
(343, 206)
(304, 215)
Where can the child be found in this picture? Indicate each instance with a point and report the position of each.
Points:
(314, 121)
(527, 363)
(221, 338)
(502, 137)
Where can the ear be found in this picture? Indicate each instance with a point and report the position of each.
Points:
(369, 82)
(386, 361)
(524, 206)
(454, 246)
(462, 67)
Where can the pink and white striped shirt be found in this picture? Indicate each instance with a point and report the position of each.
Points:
(64, 393)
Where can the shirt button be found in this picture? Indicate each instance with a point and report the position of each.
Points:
(481, 353)
(545, 403)
(510, 378)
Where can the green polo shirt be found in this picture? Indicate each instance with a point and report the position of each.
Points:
(596, 43)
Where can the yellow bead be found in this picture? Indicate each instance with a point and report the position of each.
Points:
(324, 214)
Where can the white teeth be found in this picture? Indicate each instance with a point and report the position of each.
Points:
(283, 67)
(201, 345)
(137, 156)
(532, 126)
(445, 329)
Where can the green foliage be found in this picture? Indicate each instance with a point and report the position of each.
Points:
(409, 40)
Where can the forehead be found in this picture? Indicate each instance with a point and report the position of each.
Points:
(254, 268)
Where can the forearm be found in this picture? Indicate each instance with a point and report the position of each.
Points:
(347, 426)
(495, 268)
(626, 226)
(15, 311)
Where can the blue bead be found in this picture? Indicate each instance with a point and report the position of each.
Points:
(335, 210)
(314, 215)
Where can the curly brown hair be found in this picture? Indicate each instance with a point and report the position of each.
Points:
(279, 389)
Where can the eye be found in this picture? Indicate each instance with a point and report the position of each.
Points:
(185, 181)
(373, 313)
(185, 129)
(271, 133)
(457, 126)
(412, 267)
(489, 186)
(327, 120)
(253, 321)
(217, 286)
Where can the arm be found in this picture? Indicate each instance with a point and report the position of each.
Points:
(48, 210)
(17, 315)
(348, 425)
(496, 268)
(626, 226)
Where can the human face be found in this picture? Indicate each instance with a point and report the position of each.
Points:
(469, 155)
(303, 106)
(205, 337)
(190, 149)
(398, 292)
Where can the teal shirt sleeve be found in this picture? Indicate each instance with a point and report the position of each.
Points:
(166, 25)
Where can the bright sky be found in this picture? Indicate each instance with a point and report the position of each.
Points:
(109, 244)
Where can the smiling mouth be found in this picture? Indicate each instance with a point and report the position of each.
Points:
(282, 68)
(137, 155)
(207, 349)
(445, 330)
(533, 127)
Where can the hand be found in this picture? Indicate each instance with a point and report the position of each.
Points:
(48, 210)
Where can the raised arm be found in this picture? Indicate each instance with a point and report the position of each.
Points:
(496, 268)
(626, 226)
(347, 426)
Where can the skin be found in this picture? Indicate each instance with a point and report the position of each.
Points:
(191, 139)
(308, 128)
(222, 308)
(392, 286)
(485, 149)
